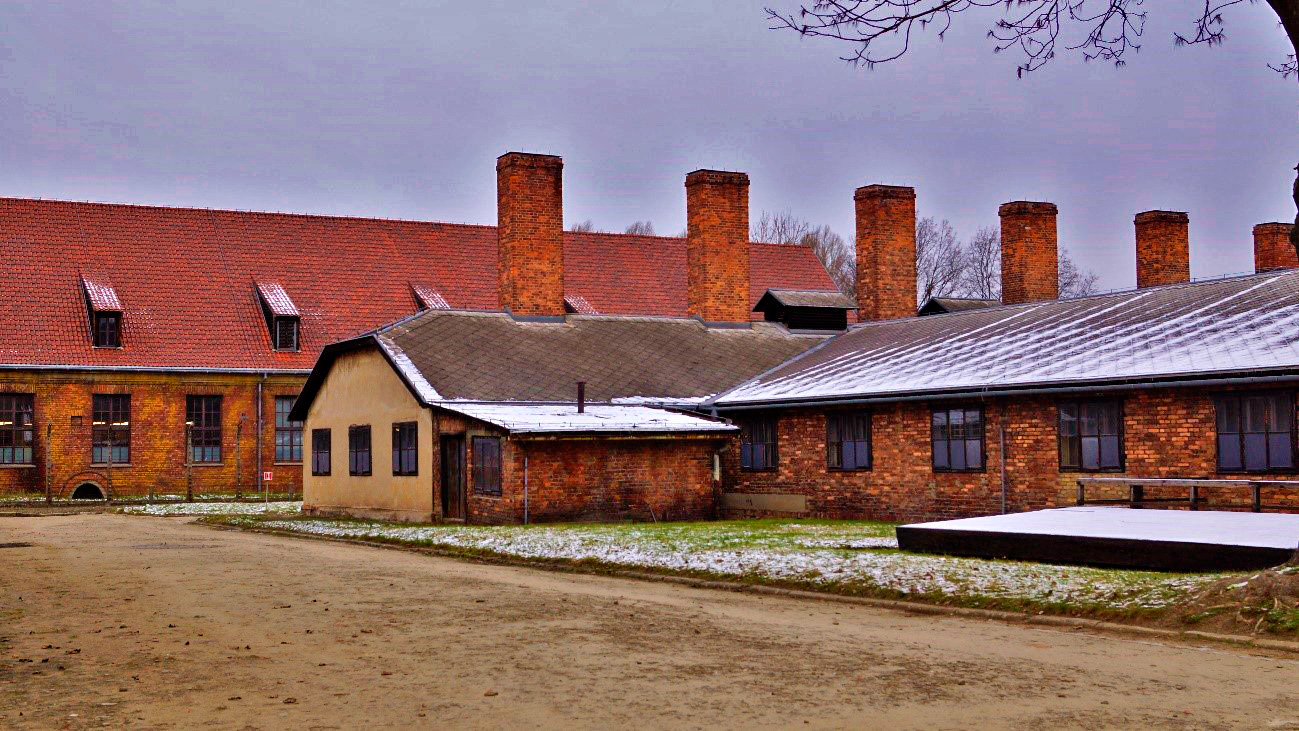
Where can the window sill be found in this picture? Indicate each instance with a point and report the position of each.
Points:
(497, 496)
(18, 466)
(115, 464)
(286, 464)
(758, 469)
(845, 469)
(978, 471)
(321, 474)
(207, 464)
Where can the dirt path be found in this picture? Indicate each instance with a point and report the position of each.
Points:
(158, 623)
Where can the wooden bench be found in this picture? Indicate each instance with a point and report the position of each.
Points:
(1137, 499)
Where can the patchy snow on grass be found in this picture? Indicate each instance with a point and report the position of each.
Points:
(214, 508)
(811, 553)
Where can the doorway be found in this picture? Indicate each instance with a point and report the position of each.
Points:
(453, 477)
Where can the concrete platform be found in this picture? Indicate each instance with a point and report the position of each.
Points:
(1167, 540)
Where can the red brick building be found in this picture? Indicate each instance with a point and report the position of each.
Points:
(981, 409)
(128, 330)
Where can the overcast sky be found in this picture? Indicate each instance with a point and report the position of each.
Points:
(399, 109)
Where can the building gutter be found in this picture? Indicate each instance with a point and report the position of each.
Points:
(158, 369)
(985, 393)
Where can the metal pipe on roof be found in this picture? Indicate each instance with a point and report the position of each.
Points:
(581, 397)
(1027, 391)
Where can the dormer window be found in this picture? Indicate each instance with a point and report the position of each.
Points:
(806, 309)
(282, 318)
(108, 329)
(105, 313)
(427, 297)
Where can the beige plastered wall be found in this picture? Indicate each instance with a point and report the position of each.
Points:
(362, 388)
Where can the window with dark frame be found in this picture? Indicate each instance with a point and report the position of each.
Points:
(288, 432)
(110, 428)
(285, 333)
(1090, 435)
(17, 431)
(320, 447)
(957, 437)
(758, 443)
(1255, 432)
(108, 329)
(405, 452)
(487, 465)
(203, 414)
(848, 440)
(358, 450)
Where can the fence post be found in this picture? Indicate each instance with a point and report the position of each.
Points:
(1136, 495)
(1195, 496)
(49, 462)
(1258, 496)
(239, 472)
(1082, 497)
(189, 463)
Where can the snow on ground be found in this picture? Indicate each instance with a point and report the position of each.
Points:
(214, 508)
(815, 553)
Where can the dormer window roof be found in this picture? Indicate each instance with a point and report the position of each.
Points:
(105, 311)
(428, 298)
(806, 309)
(577, 304)
(282, 317)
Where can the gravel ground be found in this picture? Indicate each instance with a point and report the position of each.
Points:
(117, 620)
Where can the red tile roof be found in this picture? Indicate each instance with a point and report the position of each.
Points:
(103, 298)
(188, 279)
(277, 300)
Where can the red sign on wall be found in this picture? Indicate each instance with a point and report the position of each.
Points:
(266, 476)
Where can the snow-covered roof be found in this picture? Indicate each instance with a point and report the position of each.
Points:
(1245, 325)
(535, 418)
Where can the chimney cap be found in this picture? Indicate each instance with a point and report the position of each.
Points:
(716, 177)
(877, 190)
(1018, 208)
(1274, 225)
(529, 159)
(1161, 216)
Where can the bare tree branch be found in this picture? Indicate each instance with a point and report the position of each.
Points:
(940, 260)
(641, 228)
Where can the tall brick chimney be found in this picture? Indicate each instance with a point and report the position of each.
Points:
(1272, 248)
(717, 245)
(886, 252)
(1163, 248)
(530, 232)
(1030, 269)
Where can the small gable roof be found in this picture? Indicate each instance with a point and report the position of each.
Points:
(276, 300)
(563, 418)
(944, 305)
(835, 300)
(102, 297)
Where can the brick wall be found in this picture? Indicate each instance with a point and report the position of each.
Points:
(1029, 264)
(530, 218)
(63, 402)
(1163, 248)
(717, 245)
(1167, 433)
(1272, 247)
(886, 252)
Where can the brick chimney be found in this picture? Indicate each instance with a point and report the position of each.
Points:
(1272, 247)
(717, 246)
(530, 232)
(1029, 263)
(886, 252)
(1163, 248)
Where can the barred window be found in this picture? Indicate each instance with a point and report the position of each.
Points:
(758, 443)
(288, 432)
(108, 329)
(358, 450)
(1091, 436)
(1255, 432)
(203, 414)
(320, 447)
(285, 334)
(16, 429)
(405, 453)
(957, 437)
(487, 465)
(110, 428)
(848, 441)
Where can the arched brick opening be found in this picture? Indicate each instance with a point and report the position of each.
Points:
(88, 491)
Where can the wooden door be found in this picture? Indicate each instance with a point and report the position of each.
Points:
(453, 477)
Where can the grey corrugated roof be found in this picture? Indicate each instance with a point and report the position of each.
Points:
(1230, 327)
(493, 357)
(808, 298)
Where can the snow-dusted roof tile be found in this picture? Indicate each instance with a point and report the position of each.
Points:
(534, 418)
(103, 298)
(428, 297)
(277, 300)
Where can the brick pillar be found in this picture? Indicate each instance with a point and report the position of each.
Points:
(1272, 249)
(1163, 248)
(1030, 269)
(886, 252)
(530, 233)
(717, 246)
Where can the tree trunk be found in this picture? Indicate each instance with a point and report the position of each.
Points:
(1288, 12)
